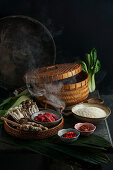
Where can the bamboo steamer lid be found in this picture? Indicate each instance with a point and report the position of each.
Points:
(53, 73)
(72, 83)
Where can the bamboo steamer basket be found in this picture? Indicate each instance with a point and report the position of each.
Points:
(74, 93)
(74, 82)
(71, 97)
(82, 80)
(52, 73)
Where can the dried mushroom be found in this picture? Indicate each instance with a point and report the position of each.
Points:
(24, 110)
(15, 113)
(28, 108)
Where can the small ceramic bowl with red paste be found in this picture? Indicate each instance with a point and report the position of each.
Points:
(68, 135)
(85, 129)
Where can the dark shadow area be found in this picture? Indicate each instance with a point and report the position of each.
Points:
(77, 27)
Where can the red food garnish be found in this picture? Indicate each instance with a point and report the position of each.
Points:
(69, 135)
(84, 128)
(46, 117)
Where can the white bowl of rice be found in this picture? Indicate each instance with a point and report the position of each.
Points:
(89, 112)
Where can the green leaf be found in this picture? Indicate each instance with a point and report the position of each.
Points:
(94, 55)
(13, 102)
(74, 152)
(97, 66)
(93, 140)
(5, 102)
(88, 61)
(93, 66)
(12, 99)
(84, 66)
(93, 58)
(20, 100)
(25, 92)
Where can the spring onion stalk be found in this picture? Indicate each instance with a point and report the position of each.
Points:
(91, 66)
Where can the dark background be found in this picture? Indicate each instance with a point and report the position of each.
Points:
(77, 26)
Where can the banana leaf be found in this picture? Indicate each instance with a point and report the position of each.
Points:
(78, 151)
(7, 103)
(20, 100)
(13, 102)
(16, 102)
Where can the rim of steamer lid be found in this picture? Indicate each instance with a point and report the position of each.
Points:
(74, 86)
(59, 71)
(56, 72)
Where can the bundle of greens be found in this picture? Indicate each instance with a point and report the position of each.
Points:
(13, 101)
(91, 66)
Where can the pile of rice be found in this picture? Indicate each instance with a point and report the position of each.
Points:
(90, 112)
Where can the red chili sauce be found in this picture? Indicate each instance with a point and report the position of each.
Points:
(69, 135)
(84, 128)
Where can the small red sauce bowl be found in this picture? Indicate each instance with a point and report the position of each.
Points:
(91, 128)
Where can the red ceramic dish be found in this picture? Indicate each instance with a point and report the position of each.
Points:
(85, 129)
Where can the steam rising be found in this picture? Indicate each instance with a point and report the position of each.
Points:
(48, 90)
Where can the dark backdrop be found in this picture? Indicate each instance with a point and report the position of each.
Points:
(77, 26)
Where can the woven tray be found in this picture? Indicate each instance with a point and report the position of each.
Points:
(33, 135)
